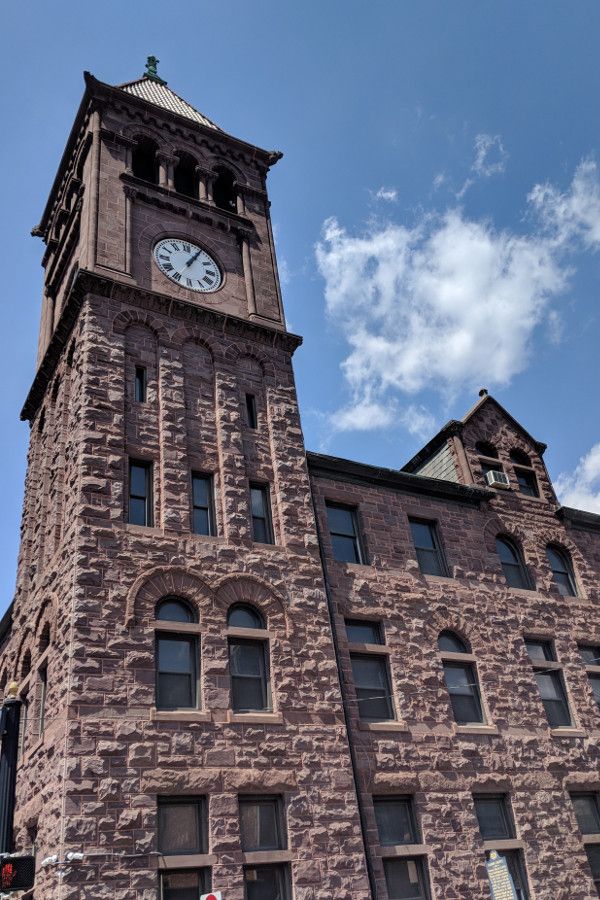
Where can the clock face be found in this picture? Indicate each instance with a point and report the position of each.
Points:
(188, 265)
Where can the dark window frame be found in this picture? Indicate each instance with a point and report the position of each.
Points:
(204, 877)
(354, 537)
(422, 868)
(264, 676)
(140, 384)
(380, 800)
(210, 508)
(503, 800)
(594, 796)
(251, 412)
(546, 667)
(518, 566)
(267, 517)
(276, 801)
(42, 675)
(148, 498)
(282, 874)
(436, 552)
(372, 624)
(383, 661)
(191, 612)
(527, 481)
(564, 557)
(472, 682)
(201, 805)
(193, 641)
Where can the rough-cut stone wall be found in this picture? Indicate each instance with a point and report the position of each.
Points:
(423, 752)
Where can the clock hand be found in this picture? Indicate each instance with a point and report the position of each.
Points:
(192, 259)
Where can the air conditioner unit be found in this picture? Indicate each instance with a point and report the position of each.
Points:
(497, 479)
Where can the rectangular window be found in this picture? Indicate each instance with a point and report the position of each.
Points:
(187, 884)
(395, 820)
(140, 384)
(406, 878)
(182, 826)
(344, 533)
(176, 671)
(540, 650)
(590, 654)
(429, 552)
(261, 823)
(593, 855)
(249, 673)
(262, 530)
(267, 883)
(372, 685)
(595, 685)
(360, 631)
(527, 482)
(42, 688)
(493, 815)
(587, 811)
(461, 681)
(251, 417)
(553, 696)
(202, 504)
(140, 493)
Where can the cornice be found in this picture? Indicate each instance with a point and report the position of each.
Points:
(85, 282)
(579, 518)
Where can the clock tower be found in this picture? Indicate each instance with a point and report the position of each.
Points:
(183, 725)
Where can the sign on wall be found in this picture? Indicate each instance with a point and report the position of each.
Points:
(501, 882)
(213, 895)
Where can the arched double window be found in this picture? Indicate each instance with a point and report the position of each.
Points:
(248, 660)
(512, 562)
(460, 674)
(177, 658)
(144, 161)
(485, 448)
(224, 193)
(562, 570)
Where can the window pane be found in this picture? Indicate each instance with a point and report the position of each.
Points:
(341, 520)
(176, 672)
(257, 500)
(174, 611)
(422, 533)
(246, 658)
(140, 384)
(345, 549)
(251, 410)
(360, 632)
(244, 617)
(188, 885)
(512, 566)
(137, 511)
(395, 821)
(553, 698)
(179, 827)
(248, 672)
(266, 883)
(593, 855)
(260, 824)
(372, 687)
(405, 879)
(464, 693)
(201, 522)
(590, 655)
(259, 531)
(587, 813)
(595, 683)
(451, 643)
(201, 490)
(176, 692)
(493, 818)
(248, 694)
(138, 480)
(430, 562)
(175, 654)
(527, 483)
(539, 650)
(428, 552)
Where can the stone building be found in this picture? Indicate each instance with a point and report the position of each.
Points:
(249, 668)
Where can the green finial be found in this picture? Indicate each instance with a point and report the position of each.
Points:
(151, 70)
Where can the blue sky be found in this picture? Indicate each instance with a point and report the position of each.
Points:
(437, 210)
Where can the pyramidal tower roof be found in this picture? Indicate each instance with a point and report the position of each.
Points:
(154, 90)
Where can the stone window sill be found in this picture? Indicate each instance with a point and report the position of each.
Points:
(256, 718)
(180, 715)
(476, 729)
(404, 850)
(187, 861)
(256, 857)
(567, 732)
(436, 579)
(508, 844)
(369, 648)
(382, 726)
(591, 838)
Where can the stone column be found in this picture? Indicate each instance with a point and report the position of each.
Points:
(248, 278)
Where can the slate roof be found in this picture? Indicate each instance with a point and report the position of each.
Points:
(160, 95)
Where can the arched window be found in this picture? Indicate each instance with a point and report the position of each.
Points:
(242, 615)
(174, 609)
(144, 162)
(248, 662)
(520, 457)
(44, 638)
(484, 448)
(224, 193)
(512, 564)
(26, 665)
(186, 178)
(461, 679)
(177, 662)
(562, 570)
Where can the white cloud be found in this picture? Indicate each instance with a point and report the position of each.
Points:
(581, 488)
(450, 303)
(439, 180)
(490, 155)
(390, 195)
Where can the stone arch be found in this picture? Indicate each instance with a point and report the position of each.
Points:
(447, 619)
(495, 527)
(243, 349)
(220, 162)
(44, 620)
(186, 334)
(151, 586)
(127, 318)
(25, 648)
(241, 588)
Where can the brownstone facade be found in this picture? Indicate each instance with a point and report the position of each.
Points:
(101, 754)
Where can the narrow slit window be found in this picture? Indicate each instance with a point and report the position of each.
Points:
(251, 417)
(43, 689)
(140, 493)
(140, 384)
(202, 504)
(262, 529)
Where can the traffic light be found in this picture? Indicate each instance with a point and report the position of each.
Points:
(17, 873)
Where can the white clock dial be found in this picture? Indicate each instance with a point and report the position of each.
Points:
(187, 265)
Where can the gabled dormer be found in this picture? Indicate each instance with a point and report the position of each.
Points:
(489, 448)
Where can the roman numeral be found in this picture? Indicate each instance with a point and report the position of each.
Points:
(189, 282)
(176, 276)
(207, 280)
(175, 246)
(164, 257)
(168, 267)
(187, 248)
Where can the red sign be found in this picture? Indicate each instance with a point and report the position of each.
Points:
(17, 873)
